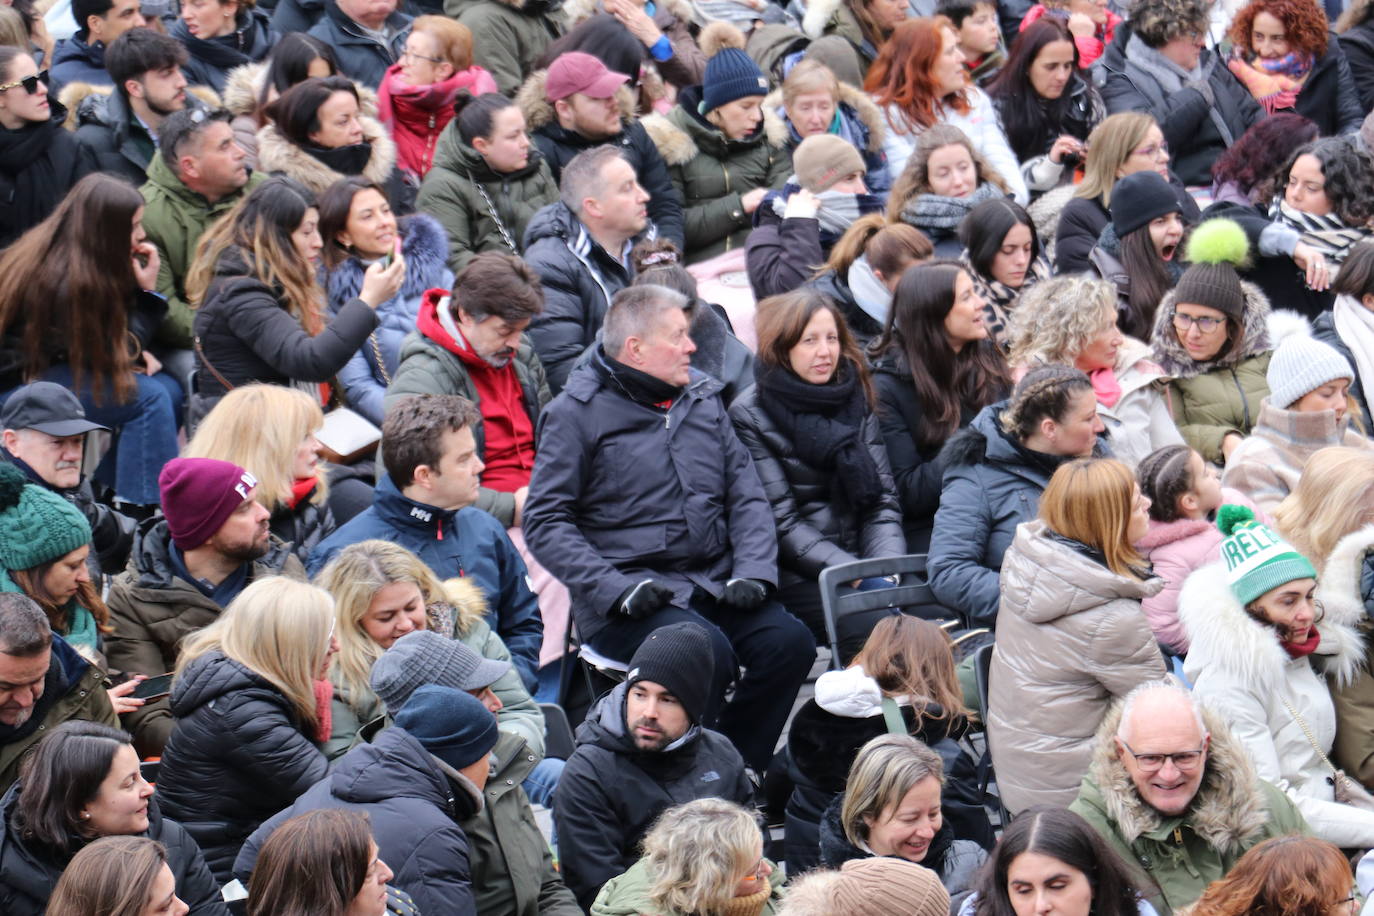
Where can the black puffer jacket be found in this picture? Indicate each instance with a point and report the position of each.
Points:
(211, 60)
(1083, 219)
(611, 792)
(236, 757)
(247, 335)
(305, 526)
(815, 530)
(1358, 47)
(28, 874)
(39, 164)
(1281, 280)
(1329, 97)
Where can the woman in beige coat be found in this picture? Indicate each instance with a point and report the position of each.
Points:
(1071, 636)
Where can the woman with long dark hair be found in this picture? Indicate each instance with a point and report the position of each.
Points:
(77, 308)
(1140, 250)
(251, 88)
(934, 370)
(1003, 255)
(809, 423)
(1047, 108)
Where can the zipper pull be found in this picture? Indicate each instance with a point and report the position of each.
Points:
(667, 419)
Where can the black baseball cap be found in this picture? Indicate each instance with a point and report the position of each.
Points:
(48, 408)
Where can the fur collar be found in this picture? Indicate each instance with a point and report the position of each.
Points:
(578, 10)
(674, 144)
(242, 86)
(1163, 533)
(1228, 809)
(538, 110)
(1134, 368)
(1226, 637)
(818, 16)
(277, 154)
(1174, 359)
(1339, 587)
(425, 248)
(776, 127)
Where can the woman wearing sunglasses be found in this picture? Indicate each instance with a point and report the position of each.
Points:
(39, 161)
(1263, 647)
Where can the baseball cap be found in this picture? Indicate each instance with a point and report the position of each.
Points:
(48, 408)
(577, 71)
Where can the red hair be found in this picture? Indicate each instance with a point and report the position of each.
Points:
(1304, 24)
(902, 76)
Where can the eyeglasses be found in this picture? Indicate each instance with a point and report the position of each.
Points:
(1153, 151)
(30, 83)
(1185, 761)
(760, 871)
(1184, 322)
(413, 56)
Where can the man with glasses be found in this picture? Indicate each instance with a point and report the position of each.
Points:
(1174, 793)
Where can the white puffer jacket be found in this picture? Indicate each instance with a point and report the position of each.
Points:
(1239, 669)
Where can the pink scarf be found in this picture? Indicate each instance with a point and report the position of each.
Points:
(1105, 387)
(324, 710)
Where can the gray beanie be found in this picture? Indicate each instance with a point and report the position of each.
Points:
(424, 657)
(1302, 364)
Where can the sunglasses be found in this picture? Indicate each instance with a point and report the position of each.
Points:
(30, 83)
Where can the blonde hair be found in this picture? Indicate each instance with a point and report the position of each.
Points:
(279, 629)
(911, 657)
(810, 76)
(1334, 497)
(1056, 318)
(12, 30)
(452, 40)
(883, 773)
(259, 428)
(697, 852)
(1109, 146)
(1090, 500)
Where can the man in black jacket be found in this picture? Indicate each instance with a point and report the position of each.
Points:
(367, 37)
(642, 749)
(577, 104)
(645, 504)
(81, 58)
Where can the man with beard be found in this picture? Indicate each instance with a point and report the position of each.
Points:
(641, 750)
(121, 129)
(211, 544)
(43, 683)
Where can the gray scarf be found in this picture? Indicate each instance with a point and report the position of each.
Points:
(1172, 78)
(934, 211)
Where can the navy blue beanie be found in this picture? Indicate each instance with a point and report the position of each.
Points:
(451, 724)
(730, 74)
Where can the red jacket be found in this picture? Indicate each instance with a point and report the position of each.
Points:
(1090, 47)
(416, 115)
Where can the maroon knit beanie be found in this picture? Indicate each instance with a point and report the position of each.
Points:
(198, 494)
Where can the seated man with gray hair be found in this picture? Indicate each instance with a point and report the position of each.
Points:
(580, 247)
(645, 504)
(1173, 791)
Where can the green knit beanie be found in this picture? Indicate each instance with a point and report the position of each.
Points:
(1257, 559)
(37, 525)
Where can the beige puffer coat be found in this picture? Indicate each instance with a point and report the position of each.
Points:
(1070, 637)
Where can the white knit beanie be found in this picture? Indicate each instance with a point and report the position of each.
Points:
(1302, 364)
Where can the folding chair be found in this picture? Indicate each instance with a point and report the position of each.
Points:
(558, 733)
(982, 666)
(912, 596)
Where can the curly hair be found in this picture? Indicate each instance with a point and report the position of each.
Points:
(1285, 876)
(1055, 319)
(901, 76)
(1253, 160)
(1349, 178)
(696, 853)
(1158, 22)
(1304, 24)
(915, 178)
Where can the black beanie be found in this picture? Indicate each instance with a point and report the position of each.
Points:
(1139, 198)
(678, 658)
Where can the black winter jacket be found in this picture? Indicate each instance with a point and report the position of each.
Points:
(145, 313)
(814, 530)
(303, 527)
(237, 756)
(862, 325)
(114, 138)
(1194, 140)
(414, 810)
(1277, 276)
(361, 57)
(610, 792)
(1358, 47)
(781, 254)
(579, 278)
(1082, 220)
(39, 163)
(622, 491)
(211, 60)
(296, 15)
(1329, 97)
(28, 873)
(247, 335)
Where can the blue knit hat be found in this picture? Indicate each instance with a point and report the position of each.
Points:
(730, 74)
(452, 725)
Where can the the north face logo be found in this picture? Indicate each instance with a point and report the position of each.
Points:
(710, 776)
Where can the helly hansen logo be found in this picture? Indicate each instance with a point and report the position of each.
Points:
(422, 514)
(244, 488)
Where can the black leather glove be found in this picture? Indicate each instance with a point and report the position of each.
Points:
(745, 594)
(642, 599)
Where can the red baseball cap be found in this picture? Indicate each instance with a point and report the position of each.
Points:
(577, 71)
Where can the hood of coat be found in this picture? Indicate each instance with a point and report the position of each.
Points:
(578, 10)
(836, 848)
(1174, 359)
(858, 103)
(539, 113)
(244, 85)
(1228, 809)
(682, 134)
(396, 765)
(1340, 585)
(452, 154)
(818, 16)
(214, 675)
(424, 245)
(1044, 579)
(152, 556)
(1223, 637)
(983, 442)
(605, 728)
(278, 154)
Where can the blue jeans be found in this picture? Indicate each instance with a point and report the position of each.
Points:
(540, 785)
(145, 428)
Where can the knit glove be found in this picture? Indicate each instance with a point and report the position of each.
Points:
(745, 594)
(642, 599)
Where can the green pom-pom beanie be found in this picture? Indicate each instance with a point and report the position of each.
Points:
(37, 525)
(1257, 560)
(1216, 248)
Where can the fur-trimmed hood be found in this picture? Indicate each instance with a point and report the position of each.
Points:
(1174, 359)
(87, 103)
(278, 154)
(1223, 637)
(779, 132)
(243, 85)
(425, 248)
(578, 10)
(818, 16)
(1162, 534)
(1228, 810)
(1340, 583)
(538, 110)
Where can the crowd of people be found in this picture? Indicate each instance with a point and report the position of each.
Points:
(367, 367)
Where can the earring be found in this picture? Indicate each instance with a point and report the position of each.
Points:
(85, 816)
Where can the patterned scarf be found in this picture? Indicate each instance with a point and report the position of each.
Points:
(1331, 237)
(838, 210)
(999, 299)
(1275, 83)
(935, 211)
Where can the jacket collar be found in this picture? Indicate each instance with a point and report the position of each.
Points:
(400, 511)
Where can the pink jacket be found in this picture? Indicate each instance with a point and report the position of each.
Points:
(1090, 47)
(1175, 549)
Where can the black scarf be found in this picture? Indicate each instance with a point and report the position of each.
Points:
(640, 387)
(824, 424)
(346, 160)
